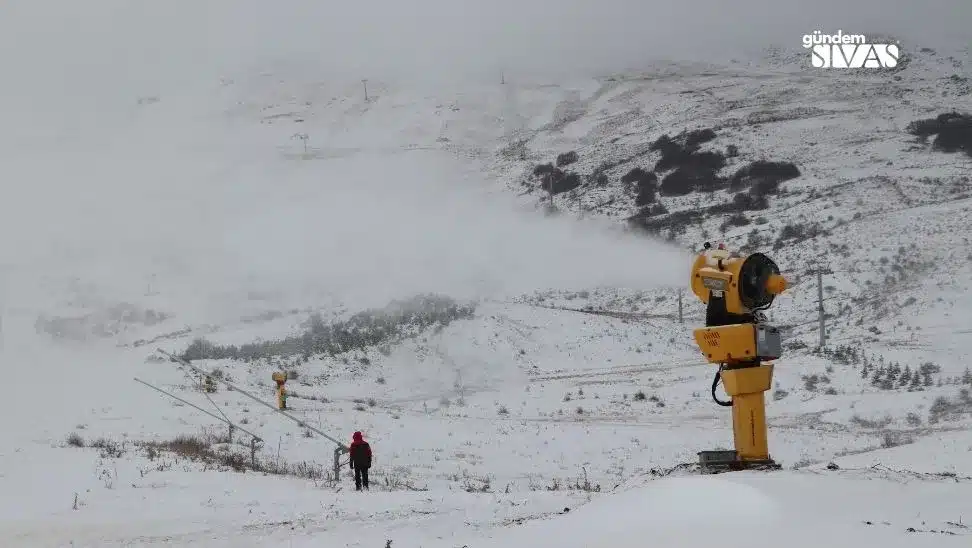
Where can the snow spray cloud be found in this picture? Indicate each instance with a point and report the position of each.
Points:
(390, 226)
(363, 229)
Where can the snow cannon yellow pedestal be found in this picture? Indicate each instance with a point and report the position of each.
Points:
(281, 380)
(735, 291)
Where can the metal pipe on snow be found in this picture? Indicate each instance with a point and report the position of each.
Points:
(221, 419)
(256, 399)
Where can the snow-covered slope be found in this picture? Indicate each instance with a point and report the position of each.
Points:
(265, 194)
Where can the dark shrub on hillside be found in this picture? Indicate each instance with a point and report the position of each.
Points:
(686, 179)
(205, 450)
(647, 220)
(693, 170)
(792, 232)
(665, 144)
(653, 210)
(737, 219)
(796, 233)
(740, 203)
(925, 128)
(933, 126)
(543, 169)
(646, 185)
(956, 136)
(708, 160)
(712, 161)
(645, 195)
(635, 175)
(953, 130)
(397, 320)
(763, 177)
(673, 159)
(567, 158)
(101, 323)
(750, 202)
(569, 182)
(599, 175)
(697, 137)
(764, 187)
(559, 181)
(678, 183)
(555, 180)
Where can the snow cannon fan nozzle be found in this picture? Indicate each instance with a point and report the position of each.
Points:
(734, 287)
(759, 282)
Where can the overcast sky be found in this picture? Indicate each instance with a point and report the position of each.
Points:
(173, 39)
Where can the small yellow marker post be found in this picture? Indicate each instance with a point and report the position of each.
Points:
(281, 380)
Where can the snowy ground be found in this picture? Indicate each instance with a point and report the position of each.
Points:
(487, 429)
(475, 442)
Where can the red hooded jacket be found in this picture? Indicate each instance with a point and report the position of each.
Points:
(360, 452)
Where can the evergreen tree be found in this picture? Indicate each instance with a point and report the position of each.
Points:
(905, 378)
(878, 374)
(892, 374)
(915, 382)
(967, 377)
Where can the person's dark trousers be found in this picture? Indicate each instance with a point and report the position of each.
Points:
(360, 478)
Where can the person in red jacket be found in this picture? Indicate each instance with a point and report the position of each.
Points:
(360, 461)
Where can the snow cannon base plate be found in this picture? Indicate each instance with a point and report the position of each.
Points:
(715, 462)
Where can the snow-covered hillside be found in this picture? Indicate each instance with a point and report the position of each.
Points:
(560, 407)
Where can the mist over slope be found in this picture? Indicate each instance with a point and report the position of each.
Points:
(366, 227)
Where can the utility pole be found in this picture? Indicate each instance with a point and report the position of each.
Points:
(679, 306)
(546, 183)
(820, 307)
(365, 84)
(303, 137)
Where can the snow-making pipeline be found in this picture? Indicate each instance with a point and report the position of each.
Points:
(200, 409)
(341, 447)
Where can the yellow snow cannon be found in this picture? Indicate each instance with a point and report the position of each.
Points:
(736, 290)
